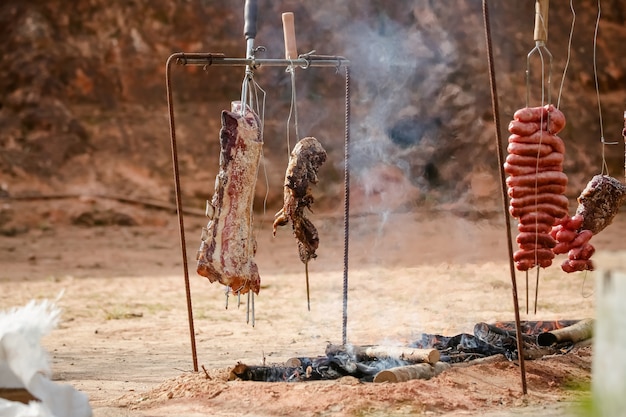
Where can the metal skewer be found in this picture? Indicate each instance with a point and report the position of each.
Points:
(540, 49)
(250, 98)
(291, 53)
(306, 273)
(540, 36)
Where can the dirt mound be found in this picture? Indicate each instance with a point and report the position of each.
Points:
(487, 386)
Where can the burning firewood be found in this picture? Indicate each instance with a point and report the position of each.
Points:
(409, 372)
(306, 159)
(262, 373)
(578, 332)
(368, 353)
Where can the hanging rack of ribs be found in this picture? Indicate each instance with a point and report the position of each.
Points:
(228, 245)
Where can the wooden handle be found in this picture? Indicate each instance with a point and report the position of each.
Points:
(250, 9)
(289, 32)
(541, 20)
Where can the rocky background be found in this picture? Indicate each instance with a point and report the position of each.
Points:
(83, 110)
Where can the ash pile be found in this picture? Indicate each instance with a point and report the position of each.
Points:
(427, 356)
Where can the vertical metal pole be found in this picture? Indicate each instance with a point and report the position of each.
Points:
(624, 135)
(346, 213)
(179, 206)
(496, 117)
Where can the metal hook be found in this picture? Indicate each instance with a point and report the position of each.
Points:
(307, 59)
(607, 143)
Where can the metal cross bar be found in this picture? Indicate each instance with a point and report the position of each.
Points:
(218, 59)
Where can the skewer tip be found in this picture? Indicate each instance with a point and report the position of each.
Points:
(306, 273)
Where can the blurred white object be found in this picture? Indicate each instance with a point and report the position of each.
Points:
(609, 343)
(25, 364)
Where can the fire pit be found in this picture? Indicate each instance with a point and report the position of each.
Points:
(425, 357)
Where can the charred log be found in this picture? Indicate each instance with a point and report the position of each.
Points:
(375, 352)
(263, 373)
(578, 332)
(409, 372)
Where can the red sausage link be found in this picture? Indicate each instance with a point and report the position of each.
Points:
(566, 235)
(553, 210)
(531, 114)
(534, 227)
(556, 229)
(545, 253)
(519, 192)
(543, 239)
(557, 120)
(523, 170)
(581, 253)
(529, 149)
(562, 247)
(553, 158)
(576, 265)
(524, 264)
(549, 198)
(574, 222)
(537, 180)
(541, 137)
(539, 114)
(536, 217)
(545, 262)
(525, 129)
(582, 238)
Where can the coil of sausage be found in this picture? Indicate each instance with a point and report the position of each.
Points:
(536, 182)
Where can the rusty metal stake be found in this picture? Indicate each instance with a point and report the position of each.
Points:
(179, 204)
(496, 117)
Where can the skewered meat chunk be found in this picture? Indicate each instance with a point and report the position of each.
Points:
(600, 201)
(228, 245)
(305, 161)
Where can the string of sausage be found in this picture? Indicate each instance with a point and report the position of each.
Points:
(574, 241)
(536, 182)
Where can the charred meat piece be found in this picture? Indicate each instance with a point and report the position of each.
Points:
(306, 159)
(600, 201)
(228, 245)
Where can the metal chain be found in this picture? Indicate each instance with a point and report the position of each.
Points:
(346, 213)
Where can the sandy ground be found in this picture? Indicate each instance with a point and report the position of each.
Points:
(124, 337)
